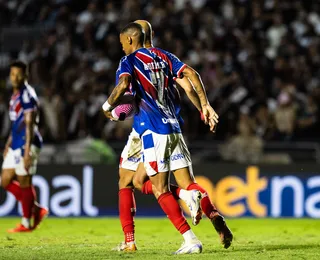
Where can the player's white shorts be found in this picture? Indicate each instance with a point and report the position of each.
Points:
(162, 153)
(131, 154)
(14, 160)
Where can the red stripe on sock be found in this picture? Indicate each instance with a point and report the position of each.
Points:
(172, 209)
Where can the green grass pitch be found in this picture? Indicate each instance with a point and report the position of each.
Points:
(85, 238)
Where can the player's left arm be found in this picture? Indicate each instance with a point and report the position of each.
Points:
(116, 94)
(188, 88)
(210, 116)
(30, 121)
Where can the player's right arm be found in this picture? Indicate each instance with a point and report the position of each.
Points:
(116, 94)
(8, 144)
(125, 71)
(188, 88)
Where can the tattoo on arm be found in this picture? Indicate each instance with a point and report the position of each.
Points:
(197, 83)
(119, 90)
(191, 93)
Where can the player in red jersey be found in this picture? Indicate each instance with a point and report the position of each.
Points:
(22, 149)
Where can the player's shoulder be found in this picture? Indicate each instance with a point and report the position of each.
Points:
(27, 92)
(170, 55)
(127, 58)
(157, 50)
(123, 59)
(30, 89)
(162, 50)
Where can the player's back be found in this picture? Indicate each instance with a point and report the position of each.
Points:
(152, 80)
(176, 67)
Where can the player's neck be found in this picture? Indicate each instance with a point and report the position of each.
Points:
(137, 47)
(17, 89)
(148, 45)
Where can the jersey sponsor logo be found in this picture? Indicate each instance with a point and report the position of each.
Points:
(169, 120)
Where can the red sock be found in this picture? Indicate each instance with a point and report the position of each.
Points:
(127, 209)
(147, 187)
(172, 209)
(14, 188)
(206, 205)
(175, 191)
(27, 201)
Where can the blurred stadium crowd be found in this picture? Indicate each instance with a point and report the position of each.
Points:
(259, 61)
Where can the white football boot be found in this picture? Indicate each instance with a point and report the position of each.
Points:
(193, 202)
(192, 247)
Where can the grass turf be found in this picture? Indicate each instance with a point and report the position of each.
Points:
(84, 238)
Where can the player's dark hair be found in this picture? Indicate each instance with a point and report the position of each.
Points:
(20, 65)
(134, 28)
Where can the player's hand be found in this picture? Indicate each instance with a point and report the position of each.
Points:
(27, 160)
(108, 114)
(210, 117)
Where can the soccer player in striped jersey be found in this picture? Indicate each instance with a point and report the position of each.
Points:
(130, 159)
(156, 123)
(129, 162)
(22, 149)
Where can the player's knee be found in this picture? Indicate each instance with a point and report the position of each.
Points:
(25, 181)
(137, 183)
(125, 178)
(125, 181)
(4, 182)
(5, 179)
